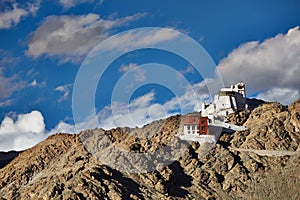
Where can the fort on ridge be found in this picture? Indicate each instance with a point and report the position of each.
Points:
(207, 125)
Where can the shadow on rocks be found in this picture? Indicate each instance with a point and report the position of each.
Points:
(178, 180)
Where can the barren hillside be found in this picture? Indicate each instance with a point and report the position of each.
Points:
(261, 162)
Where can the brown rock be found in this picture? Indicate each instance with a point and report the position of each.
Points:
(294, 108)
(68, 166)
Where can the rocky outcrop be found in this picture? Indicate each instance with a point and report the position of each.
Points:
(269, 128)
(238, 118)
(261, 162)
(294, 109)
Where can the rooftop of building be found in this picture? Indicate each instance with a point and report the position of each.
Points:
(193, 119)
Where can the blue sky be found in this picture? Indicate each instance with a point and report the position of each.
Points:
(43, 44)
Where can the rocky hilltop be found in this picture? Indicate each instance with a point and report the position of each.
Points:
(261, 162)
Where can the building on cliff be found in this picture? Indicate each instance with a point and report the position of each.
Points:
(195, 125)
(207, 125)
(227, 101)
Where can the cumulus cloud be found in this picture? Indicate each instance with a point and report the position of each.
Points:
(282, 95)
(11, 17)
(22, 133)
(71, 37)
(271, 67)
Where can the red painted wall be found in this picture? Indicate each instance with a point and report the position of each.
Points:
(203, 126)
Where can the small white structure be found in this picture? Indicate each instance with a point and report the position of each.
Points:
(227, 101)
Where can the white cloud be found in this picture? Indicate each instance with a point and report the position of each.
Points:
(63, 127)
(126, 68)
(34, 7)
(6, 102)
(282, 95)
(23, 133)
(139, 74)
(134, 113)
(144, 109)
(201, 38)
(35, 83)
(71, 3)
(9, 18)
(71, 37)
(9, 85)
(7, 59)
(189, 69)
(191, 99)
(65, 89)
(266, 66)
(138, 39)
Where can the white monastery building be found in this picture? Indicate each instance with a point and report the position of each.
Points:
(227, 101)
(207, 125)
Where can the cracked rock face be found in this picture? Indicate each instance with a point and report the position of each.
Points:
(294, 109)
(242, 165)
(269, 128)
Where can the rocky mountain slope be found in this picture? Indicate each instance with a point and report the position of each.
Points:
(261, 162)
